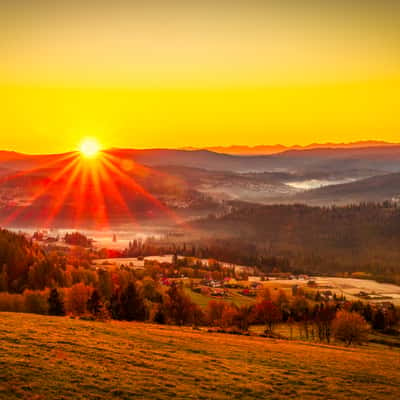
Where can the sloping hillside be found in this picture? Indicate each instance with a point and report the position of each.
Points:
(59, 358)
(376, 188)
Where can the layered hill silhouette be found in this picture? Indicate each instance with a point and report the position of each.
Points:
(383, 157)
(131, 185)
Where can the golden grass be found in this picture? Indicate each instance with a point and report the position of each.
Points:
(59, 358)
(234, 297)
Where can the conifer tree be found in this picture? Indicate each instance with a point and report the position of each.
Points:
(94, 304)
(132, 305)
(56, 305)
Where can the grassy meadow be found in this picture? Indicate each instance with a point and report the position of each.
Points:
(60, 358)
(234, 297)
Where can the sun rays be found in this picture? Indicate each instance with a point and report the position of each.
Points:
(87, 187)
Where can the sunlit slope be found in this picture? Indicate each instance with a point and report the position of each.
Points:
(54, 358)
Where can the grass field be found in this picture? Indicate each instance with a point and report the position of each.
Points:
(59, 358)
(234, 297)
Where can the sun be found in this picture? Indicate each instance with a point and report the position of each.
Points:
(89, 148)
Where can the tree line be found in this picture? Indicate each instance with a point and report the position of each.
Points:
(57, 283)
(147, 300)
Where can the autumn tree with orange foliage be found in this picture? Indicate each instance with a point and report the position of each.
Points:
(244, 317)
(269, 314)
(350, 327)
(77, 298)
(214, 312)
(179, 307)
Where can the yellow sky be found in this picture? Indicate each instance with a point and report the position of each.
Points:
(175, 76)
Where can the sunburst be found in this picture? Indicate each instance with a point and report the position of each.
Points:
(89, 185)
(89, 148)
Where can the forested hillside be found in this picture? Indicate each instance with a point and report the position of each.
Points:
(363, 237)
(17, 255)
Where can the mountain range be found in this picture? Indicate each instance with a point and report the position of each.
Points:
(279, 148)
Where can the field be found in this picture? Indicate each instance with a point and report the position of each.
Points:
(349, 287)
(59, 358)
(234, 297)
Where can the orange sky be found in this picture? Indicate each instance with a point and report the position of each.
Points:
(168, 75)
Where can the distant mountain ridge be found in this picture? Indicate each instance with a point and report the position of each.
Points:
(383, 159)
(6, 155)
(279, 148)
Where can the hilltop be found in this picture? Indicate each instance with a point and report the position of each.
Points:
(60, 358)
